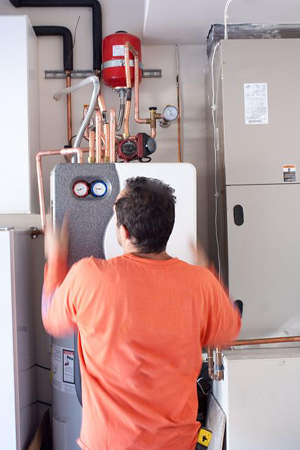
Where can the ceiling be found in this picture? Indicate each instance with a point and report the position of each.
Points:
(163, 22)
(188, 21)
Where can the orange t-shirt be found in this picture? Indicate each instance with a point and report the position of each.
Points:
(142, 324)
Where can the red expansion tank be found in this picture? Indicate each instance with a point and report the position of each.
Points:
(113, 64)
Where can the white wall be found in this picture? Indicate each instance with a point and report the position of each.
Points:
(157, 92)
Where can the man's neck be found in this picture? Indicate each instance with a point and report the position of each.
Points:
(162, 256)
(131, 249)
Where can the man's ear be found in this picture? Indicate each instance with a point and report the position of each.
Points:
(124, 232)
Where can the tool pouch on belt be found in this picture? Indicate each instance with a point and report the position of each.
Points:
(204, 439)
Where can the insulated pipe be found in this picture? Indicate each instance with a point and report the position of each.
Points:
(90, 111)
(112, 125)
(97, 19)
(67, 61)
(66, 34)
(98, 136)
(38, 158)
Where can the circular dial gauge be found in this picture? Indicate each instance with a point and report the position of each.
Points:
(81, 189)
(170, 113)
(98, 188)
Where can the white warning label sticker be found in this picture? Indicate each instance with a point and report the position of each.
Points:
(62, 366)
(256, 103)
(289, 173)
(118, 50)
(68, 375)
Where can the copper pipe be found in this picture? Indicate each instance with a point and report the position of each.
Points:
(103, 110)
(126, 133)
(38, 158)
(107, 143)
(153, 123)
(137, 92)
(101, 103)
(127, 65)
(210, 357)
(219, 374)
(112, 123)
(276, 340)
(98, 136)
(92, 158)
(69, 107)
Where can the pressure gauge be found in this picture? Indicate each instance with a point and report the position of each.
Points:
(170, 113)
(98, 188)
(81, 189)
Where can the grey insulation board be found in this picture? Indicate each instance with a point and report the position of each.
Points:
(215, 422)
(251, 31)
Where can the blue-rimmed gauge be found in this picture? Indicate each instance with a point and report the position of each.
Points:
(98, 188)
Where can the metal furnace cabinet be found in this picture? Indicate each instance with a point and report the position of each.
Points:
(254, 159)
(253, 97)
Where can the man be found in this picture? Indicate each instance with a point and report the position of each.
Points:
(143, 319)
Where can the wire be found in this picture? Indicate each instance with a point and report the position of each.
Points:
(213, 111)
(178, 103)
(43, 403)
(74, 41)
(225, 18)
(42, 367)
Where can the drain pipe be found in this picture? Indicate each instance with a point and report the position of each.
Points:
(66, 34)
(97, 20)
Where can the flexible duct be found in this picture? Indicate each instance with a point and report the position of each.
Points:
(66, 34)
(97, 19)
(90, 111)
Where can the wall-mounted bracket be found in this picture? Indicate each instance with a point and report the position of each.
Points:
(81, 74)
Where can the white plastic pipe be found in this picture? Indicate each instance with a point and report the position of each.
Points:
(225, 18)
(95, 80)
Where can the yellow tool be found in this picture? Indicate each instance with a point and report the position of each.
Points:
(204, 438)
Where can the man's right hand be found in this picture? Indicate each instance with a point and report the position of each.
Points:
(200, 256)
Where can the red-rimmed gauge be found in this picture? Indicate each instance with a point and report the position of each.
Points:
(80, 189)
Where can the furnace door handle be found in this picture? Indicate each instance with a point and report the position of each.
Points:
(238, 215)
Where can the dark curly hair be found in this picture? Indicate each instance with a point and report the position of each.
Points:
(147, 210)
